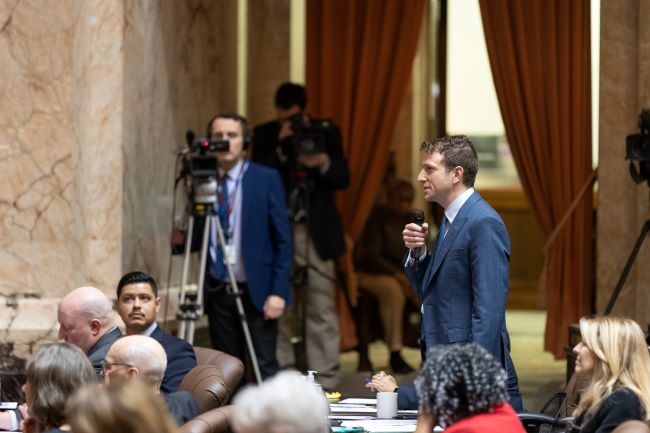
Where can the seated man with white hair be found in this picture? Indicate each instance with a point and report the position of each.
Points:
(137, 357)
(286, 403)
(86, 320)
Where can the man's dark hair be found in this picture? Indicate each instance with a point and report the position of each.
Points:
(137, 277)
(232, 116)
(456, 150)
(290, 94)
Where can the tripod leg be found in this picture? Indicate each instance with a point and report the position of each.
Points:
(628, 267)
(182, 319)
(201, 277)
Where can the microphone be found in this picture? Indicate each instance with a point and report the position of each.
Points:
(417, 217)
(189, 137)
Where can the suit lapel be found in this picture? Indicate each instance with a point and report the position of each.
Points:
(448, 241)
(245, 198)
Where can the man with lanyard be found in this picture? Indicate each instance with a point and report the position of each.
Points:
(252, 210)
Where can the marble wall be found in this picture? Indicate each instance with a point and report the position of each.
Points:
(60, 151)
(623, 206)
(95, 100)
(180, 68)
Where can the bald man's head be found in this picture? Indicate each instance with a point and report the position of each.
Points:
(85, 315)
(136, 357)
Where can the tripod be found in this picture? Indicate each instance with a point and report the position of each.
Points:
(191, 304)
(628, 266)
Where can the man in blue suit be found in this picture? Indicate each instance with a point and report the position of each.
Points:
(138, 304)
(253, 213)
(463, 280)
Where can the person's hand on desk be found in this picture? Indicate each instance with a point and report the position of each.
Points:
(382, 382)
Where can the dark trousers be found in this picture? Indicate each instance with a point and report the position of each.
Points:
(226, 327)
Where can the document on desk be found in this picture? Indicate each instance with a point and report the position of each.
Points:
(372, 401)
(355, 408)
(383, 425)
(387, 425)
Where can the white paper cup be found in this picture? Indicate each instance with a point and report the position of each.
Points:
(386, 404)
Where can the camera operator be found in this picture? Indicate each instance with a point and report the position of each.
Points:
(308, 153)
(253, 215)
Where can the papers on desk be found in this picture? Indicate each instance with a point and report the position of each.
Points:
(386, 425)
(354, 408)
(372, 401)
(383, 425)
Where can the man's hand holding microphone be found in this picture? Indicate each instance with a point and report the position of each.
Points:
(415, 235)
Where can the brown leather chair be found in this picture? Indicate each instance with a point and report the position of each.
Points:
(632, 427)
(208, 386)
(232, 368)
(212, 421)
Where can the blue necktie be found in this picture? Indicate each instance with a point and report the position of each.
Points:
(223, 199)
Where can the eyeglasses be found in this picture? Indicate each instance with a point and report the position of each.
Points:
(106, 366)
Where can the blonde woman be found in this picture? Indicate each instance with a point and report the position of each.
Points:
(128, 407)
(613, 352)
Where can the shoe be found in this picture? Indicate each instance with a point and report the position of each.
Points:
(398, 365)
(364, 364)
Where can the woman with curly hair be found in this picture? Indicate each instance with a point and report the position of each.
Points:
(462, 388)
(53, 373)
(613, 352)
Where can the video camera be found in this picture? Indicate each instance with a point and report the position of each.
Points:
(308, 137)
(638, 149)
(200, 170)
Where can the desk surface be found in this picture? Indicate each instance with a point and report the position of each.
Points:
(355, 412)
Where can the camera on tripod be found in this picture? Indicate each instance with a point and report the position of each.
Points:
(200, 169)
(638, 149)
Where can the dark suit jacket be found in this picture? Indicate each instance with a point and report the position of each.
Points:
(325, 226)
(182, 406)
(98, 352)
(464, 285)
(266, 240)
(407, 398)
(180, 359)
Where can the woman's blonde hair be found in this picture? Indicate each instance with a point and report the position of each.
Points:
(126, 407)
(622, 361)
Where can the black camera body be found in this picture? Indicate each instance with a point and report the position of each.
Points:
(198, 165)
(201, 169)
(638, 149)
(308, 136)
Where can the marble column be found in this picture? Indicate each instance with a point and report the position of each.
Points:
(60, 158)
(623, 206)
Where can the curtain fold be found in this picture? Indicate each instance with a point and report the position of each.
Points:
(539, 53)
(359, 59)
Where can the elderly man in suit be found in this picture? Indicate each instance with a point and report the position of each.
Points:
(138, 357)
(138, 304)
(463, 280)
(85, 317)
